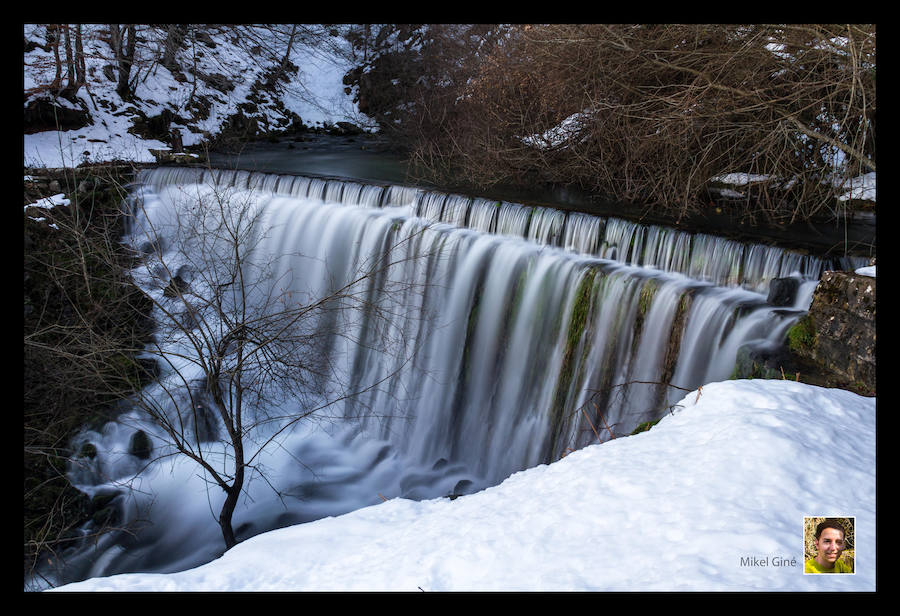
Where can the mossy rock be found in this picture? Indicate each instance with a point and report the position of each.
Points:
(802, 336)
(760, 361)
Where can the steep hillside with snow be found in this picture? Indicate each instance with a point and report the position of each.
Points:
(222, 82)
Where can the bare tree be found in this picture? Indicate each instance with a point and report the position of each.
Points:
(123, 43)
(174, 38)
(243, 352)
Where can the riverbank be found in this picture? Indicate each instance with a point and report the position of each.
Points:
(78, 305)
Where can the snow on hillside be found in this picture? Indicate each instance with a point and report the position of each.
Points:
(316, 94)
(710, 499)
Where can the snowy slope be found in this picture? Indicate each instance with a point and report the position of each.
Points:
(684, 506)
(316, 94)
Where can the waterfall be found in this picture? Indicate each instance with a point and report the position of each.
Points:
(506, 335)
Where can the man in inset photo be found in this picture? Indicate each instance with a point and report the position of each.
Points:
(830, 542)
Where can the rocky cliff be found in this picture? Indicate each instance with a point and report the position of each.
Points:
(836, 340)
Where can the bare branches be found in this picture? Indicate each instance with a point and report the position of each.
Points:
(242, 349)
(651, 113)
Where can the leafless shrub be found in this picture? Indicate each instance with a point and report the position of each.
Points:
(650, 113)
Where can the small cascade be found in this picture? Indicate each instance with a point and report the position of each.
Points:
(316, 189)
(513, 219)
(583, 233)
(546, 226)
(456, 210)
(400, 196)
(483, 215)
(300, 187)
(430, 206)
(368, 196)
(333, 191)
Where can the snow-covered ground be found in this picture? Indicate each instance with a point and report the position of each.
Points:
(316, 95)
(686, 506)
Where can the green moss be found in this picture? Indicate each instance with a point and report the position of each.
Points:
(577, 323)
(802, 336)
(645, 299)
(644, 426)
(582, 305)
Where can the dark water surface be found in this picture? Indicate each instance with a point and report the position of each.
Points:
(368, 159)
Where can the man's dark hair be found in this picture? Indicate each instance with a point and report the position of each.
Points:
(830, 523)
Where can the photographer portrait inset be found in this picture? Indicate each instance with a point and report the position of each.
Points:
(829, 545)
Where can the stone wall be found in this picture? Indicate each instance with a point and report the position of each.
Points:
(837, 337)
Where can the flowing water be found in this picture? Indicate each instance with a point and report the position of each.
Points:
(501, 337)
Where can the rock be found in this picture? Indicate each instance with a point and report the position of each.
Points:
(104, 512)
(462, 487)
(158, 125)
(838, 334)
(177, 158)
(783, 291)
(88, 450)
(177, 286)
(761, 360)
(204, 37)
(176, 141)
(217, 81)
(140, 445)
(347, 128)
(201, 417)
(101, 500)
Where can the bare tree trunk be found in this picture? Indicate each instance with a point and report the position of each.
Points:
(80, 69)
(226, 515)
(250, 342)
(174, 38)
(193, 68)
(126, 59)
(287, 53)
(115, 39)
(70, 61)
(57, 80)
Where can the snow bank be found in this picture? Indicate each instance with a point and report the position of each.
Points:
(49, 202)
(685, 506)
(862, 187)
(566, 130)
